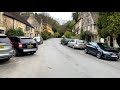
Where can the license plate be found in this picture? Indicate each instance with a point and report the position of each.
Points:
(81, 44)
(113, 56)
(1, 46)
(30, 46)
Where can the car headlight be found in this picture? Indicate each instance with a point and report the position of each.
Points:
(105, 52)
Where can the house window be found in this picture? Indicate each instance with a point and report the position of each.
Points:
(27, 28)
(94, 26)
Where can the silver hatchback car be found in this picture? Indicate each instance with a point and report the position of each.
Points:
(76, 43)
(6, 48)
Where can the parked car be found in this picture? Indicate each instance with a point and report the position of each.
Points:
(23, 45)
(6, 48)
(101, 50)
(39, 40)
(76, 43)
(65, 41)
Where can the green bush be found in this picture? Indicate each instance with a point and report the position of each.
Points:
(56, 34)
(73, 34)
(11, 32)
(45, 35)
(15, 32)
(20, 32)
(67, 34)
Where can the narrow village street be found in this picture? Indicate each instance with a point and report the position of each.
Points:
(54, 60)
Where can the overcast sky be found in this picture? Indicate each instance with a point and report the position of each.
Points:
(61, 17)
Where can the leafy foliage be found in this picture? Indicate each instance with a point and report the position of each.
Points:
(15, 32)
(67, 34)
(45, 35)
(20, 32)
(108, 24)
(11, 32)
(56, 34)
(75, 16)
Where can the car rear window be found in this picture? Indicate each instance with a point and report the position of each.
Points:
(27, 40)
(81, 41)
(4, 39)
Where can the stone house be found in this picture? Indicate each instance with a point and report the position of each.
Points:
(14, 20)
(32, 19)
(87, 21)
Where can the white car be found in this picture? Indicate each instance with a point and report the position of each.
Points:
(76, 43)
(39, 40)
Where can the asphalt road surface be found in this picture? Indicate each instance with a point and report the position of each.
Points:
(54, 60)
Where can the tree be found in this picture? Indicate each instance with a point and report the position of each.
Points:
(11, 32)
(15, 32)
(75, 16)
(67, 34)
(82, 34)
(46, 18)
(102, 24)
(114, 24)
(45, 35)
(56, 34)
(20, 32)
(109, 25)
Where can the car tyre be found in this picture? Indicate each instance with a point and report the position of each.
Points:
(17, 53)
(99, 55)
(73, 47)
(7, 59)
(86, 51)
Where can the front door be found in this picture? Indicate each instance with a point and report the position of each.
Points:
(111, 41)
(94, 48)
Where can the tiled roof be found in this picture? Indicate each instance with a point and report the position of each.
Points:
(16, 15)
(25, 17)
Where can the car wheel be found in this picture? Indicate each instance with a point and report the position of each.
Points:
(7, 59)
(17, 53)
(99, 55)
(14, 53)
(86, 51)
(73, 47)
(67, 45)
(4, 60)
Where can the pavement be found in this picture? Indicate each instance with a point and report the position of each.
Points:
(53, 60)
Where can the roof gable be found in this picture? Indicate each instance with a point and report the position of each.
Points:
(94, 16)
(16, 15)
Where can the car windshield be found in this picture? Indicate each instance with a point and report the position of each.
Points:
(4, 39)
(103, 45)
(81, 41)
(38, 38)
(27, 40)
(68, 39)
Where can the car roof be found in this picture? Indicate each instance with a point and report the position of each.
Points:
(3, 35)
(36, 37)
(97, 42)
(20, 36)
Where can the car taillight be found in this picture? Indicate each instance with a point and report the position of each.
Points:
(20, 45)
(11, 43)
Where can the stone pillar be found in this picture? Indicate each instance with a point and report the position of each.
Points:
(115, 44)
(108, 40)
(1, 19)
(2, 28)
